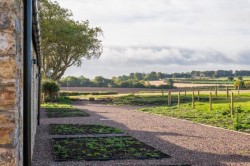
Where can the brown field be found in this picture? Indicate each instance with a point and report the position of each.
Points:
(124, 91)
(98, 89)
(183, 85)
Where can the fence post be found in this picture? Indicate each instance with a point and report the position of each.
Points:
(162, 92)
(179, 99)
(185, 91)
(198, 94)
(169, 98)
(238, 89)
(193, 100)
(210, 101)
(227, 92)
(232, 104)
(216, 91)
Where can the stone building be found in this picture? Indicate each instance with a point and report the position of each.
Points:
(19, 80)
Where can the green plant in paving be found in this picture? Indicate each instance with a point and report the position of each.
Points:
(65, 112)
(62, 108)
(103, 148)
(70, 129)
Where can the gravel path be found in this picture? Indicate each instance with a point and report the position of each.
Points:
(185, 142)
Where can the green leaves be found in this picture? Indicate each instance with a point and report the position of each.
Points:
(65, 42)
(50, 88)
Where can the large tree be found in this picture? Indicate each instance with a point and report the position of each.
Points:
(65, 42)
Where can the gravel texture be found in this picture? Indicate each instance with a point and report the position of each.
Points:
(186, 142)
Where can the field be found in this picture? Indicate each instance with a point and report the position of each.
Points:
(105, 89)
(191, 84)
(220, 115)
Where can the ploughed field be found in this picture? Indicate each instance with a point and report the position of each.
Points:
(98, 89)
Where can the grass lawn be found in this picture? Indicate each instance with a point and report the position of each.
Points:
(103, 148)
(71, 129)
(220, 115)
(65, 112)
(62, 108)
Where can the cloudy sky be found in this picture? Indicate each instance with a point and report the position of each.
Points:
(166, 35)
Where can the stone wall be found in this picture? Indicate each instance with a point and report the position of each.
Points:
(11, 84)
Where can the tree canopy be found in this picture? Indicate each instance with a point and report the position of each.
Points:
(65, 42)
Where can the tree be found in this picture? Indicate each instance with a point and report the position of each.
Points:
(138, 76)
(230, 78)
(83, 81)
(240, 78)
(170, 83)
(65, 42)
(151, 76)
(239, 83)
(247, 84)
(100, 81)
(160, 76)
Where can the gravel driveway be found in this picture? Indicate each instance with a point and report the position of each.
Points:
(186, 142)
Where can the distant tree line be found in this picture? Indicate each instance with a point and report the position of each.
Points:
(134, 80)
(139, 80)
(217, 74)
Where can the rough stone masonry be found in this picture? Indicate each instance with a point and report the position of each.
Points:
(11, 84)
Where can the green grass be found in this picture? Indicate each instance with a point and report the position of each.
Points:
(63, 102)
(139, 100)
(220, 115)
(65, 112)
(103, 148)
(62, 108)
(71, 129)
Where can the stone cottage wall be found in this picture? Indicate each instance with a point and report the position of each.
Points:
(11, 84)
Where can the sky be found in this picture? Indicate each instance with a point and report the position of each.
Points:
(165, 35)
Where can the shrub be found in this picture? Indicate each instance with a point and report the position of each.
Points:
(239, 83)
(50, 89)
(230, 78)
(247, 84)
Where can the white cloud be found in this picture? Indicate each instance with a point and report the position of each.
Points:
(213, 32)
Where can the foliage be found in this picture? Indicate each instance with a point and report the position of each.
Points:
(139, 80)
(50, 88)
(170, 83)
(62, 102)
(240, 78)
(72, 129)
(103, 148)
(120, 82)
(230, 78)
(239, 83)
(64, 112)
(65, 42)
(247, 84)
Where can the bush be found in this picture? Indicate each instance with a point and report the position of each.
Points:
(239, 83)
(247, 84)
(50, 89)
